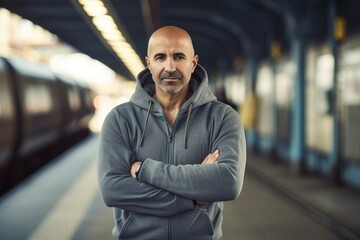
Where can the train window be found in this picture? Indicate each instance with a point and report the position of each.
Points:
(349, 86)
(74, 99)
(89, 98)
(6, 105)
(38, 99)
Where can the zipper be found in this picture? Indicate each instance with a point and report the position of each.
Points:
(170, 228)
(170, 160)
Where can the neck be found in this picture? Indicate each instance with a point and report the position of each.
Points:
(171, 103)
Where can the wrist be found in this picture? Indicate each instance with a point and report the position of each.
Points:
(137, 170)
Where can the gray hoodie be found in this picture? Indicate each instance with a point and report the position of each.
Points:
(160, 205)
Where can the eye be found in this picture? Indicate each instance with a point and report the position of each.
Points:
(159, 57)
(179, 57)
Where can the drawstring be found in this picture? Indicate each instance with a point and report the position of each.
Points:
(146, 122)
(147, 118)
(186, 125)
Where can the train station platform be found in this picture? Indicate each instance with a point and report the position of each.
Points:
(62, 201)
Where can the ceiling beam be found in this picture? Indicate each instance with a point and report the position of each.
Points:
(149, 9)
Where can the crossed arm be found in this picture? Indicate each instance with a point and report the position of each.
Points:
(165, 189)
(211, 158)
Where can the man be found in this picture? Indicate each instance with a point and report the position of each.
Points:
(170, 156)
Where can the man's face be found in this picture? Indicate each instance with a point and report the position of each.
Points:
(171, 62)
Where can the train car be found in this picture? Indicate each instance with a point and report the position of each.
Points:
(41, 113)
(38, 107)
(76, 107)
(87, 105)
(8, 117)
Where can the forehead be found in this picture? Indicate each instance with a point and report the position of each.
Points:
(162, 44)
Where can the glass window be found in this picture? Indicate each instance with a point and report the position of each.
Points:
(284, 93)
(265, 93)
(74, 98)
(6, 104)
(349, 86)
(319, 118)
(38, 99)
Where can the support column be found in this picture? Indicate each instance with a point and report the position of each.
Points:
(336, 33)
(297, 144)
(251, 69)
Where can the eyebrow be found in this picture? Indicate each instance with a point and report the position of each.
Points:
(159, 55)
(177, 54)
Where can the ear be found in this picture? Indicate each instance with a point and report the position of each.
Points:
(195, 62)
(147, 60)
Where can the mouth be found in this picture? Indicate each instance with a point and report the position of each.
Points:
(170, 79)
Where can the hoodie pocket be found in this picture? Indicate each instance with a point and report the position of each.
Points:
(139, 226)
(194, 224)
(123, 227)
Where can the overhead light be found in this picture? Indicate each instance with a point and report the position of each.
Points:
(107, 27)
(104, 23)
(113, 36)
(95, 8)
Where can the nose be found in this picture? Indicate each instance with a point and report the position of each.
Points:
(170, 65)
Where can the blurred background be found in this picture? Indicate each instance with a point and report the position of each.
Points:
(291, 68)
(21, 38)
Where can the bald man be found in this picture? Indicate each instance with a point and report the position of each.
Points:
(171, 156)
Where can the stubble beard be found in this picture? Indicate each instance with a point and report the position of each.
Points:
(171, 89)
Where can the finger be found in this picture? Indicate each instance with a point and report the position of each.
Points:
(212, 157)
(206, 159)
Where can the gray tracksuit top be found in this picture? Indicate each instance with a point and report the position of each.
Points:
(160, 204)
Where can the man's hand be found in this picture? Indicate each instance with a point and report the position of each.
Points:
(134, 166)
(209, 159)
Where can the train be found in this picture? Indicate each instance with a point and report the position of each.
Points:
(41, 114)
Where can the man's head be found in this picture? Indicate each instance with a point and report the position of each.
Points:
(171, 58)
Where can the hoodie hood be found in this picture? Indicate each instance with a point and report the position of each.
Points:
(145, 89)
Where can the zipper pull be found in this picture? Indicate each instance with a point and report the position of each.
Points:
(170, 139)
